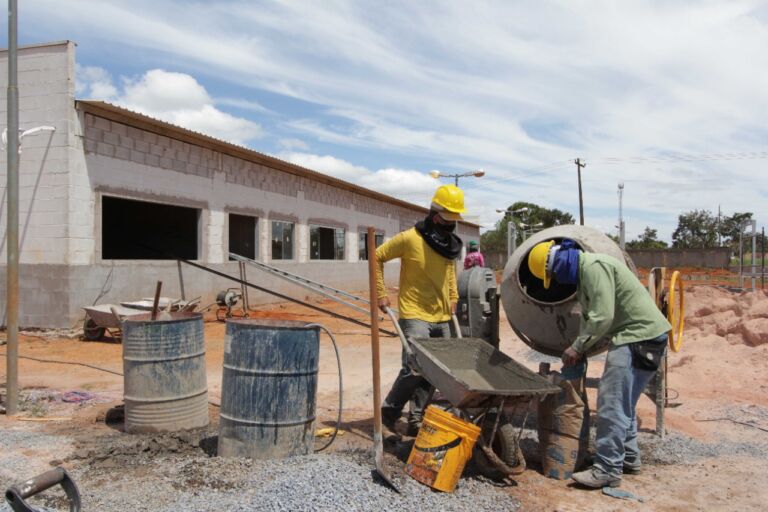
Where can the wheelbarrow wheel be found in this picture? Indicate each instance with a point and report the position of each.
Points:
(91, 331)
(504, 445)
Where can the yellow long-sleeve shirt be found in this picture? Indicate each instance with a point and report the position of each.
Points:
(427, 280)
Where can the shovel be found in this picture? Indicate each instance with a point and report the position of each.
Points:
(378, 439)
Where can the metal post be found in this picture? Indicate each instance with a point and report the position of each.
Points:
(661, 396)
(741, 256)
(181, 281)
(579, 165)
(12, 272)
(244, 290)
(719, 228)
(621, 217)
(659, 383)
(754, 253)
(509, 240)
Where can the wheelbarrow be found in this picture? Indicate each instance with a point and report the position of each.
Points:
(479, 382)
(108, 317)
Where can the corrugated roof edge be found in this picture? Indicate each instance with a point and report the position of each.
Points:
(143, 121)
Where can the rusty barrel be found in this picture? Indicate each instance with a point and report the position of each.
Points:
(165, 383)
(268, 389)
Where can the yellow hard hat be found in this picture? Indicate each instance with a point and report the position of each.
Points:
(537, 261)
(449, 201)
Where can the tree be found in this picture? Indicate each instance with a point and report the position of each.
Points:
(695, 229)
(496, 240)
(730, 227)
(647, 240)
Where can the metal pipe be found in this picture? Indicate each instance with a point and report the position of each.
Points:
(754, 253)
(280, 295)
(181, 282)
(741, 256)
(12, 230)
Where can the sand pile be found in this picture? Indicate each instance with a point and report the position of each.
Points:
(740, 318)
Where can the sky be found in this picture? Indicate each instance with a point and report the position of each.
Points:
(668, 97)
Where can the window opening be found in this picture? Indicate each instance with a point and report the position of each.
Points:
(140, 230)
(243, 236)
(362, 243)
(326, 243)
(282, 240)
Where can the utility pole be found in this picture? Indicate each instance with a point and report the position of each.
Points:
(12, 230)
(621, 217)
(719, 228)
(579, 165)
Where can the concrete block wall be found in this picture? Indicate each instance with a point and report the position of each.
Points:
(46, 92)
(714, 257)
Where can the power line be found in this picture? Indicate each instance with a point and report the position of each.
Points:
(682, 157)
(547, 169)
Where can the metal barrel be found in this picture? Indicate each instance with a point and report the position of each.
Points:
(165, 383)
(268, 389)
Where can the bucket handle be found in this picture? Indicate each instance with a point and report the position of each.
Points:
(443, 447)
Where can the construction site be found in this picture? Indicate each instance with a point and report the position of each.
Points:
(713, 455)
(192, 325)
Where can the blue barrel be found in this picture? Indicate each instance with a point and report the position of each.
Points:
(268, 389)
(165, 384)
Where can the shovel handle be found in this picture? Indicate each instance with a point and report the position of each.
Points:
(17, 494)
(400, 334)
(456, 326)
(156, 302)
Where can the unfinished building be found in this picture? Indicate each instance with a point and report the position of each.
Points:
(111, 198)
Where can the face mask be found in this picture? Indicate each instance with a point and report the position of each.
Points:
(447, 228)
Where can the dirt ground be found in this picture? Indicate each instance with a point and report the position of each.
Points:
(715, 459)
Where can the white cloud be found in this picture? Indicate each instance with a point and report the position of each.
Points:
(251, 105)
(177, 98)
(93, 82)
(293, 144)
(329, 165)
(408, 185)
(164, 91)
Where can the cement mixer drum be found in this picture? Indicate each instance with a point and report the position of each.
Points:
(548, 320)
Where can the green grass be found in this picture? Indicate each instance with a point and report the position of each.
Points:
(748, 261)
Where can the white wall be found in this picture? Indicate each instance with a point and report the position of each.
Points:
(46, 92)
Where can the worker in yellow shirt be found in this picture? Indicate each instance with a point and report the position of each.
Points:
(427, 296)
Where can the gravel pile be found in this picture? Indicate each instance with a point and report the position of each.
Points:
(172, 472)
(24, 454)
(342, 480)
(337, 481)
(677, 448)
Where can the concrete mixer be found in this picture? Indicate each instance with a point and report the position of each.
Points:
(547, 320)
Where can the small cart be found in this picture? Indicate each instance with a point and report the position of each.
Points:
(102, 318)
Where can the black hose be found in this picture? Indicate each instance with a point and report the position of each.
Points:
(67, 362)
(341, 387)
(99, 368)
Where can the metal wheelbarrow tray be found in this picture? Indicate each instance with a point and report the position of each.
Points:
(470, 373)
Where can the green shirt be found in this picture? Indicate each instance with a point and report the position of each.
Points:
(615, 304)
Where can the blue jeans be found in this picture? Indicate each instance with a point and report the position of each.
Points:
(620, 388)
(410, 386)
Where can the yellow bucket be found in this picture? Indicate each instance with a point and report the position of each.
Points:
(442, 448)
